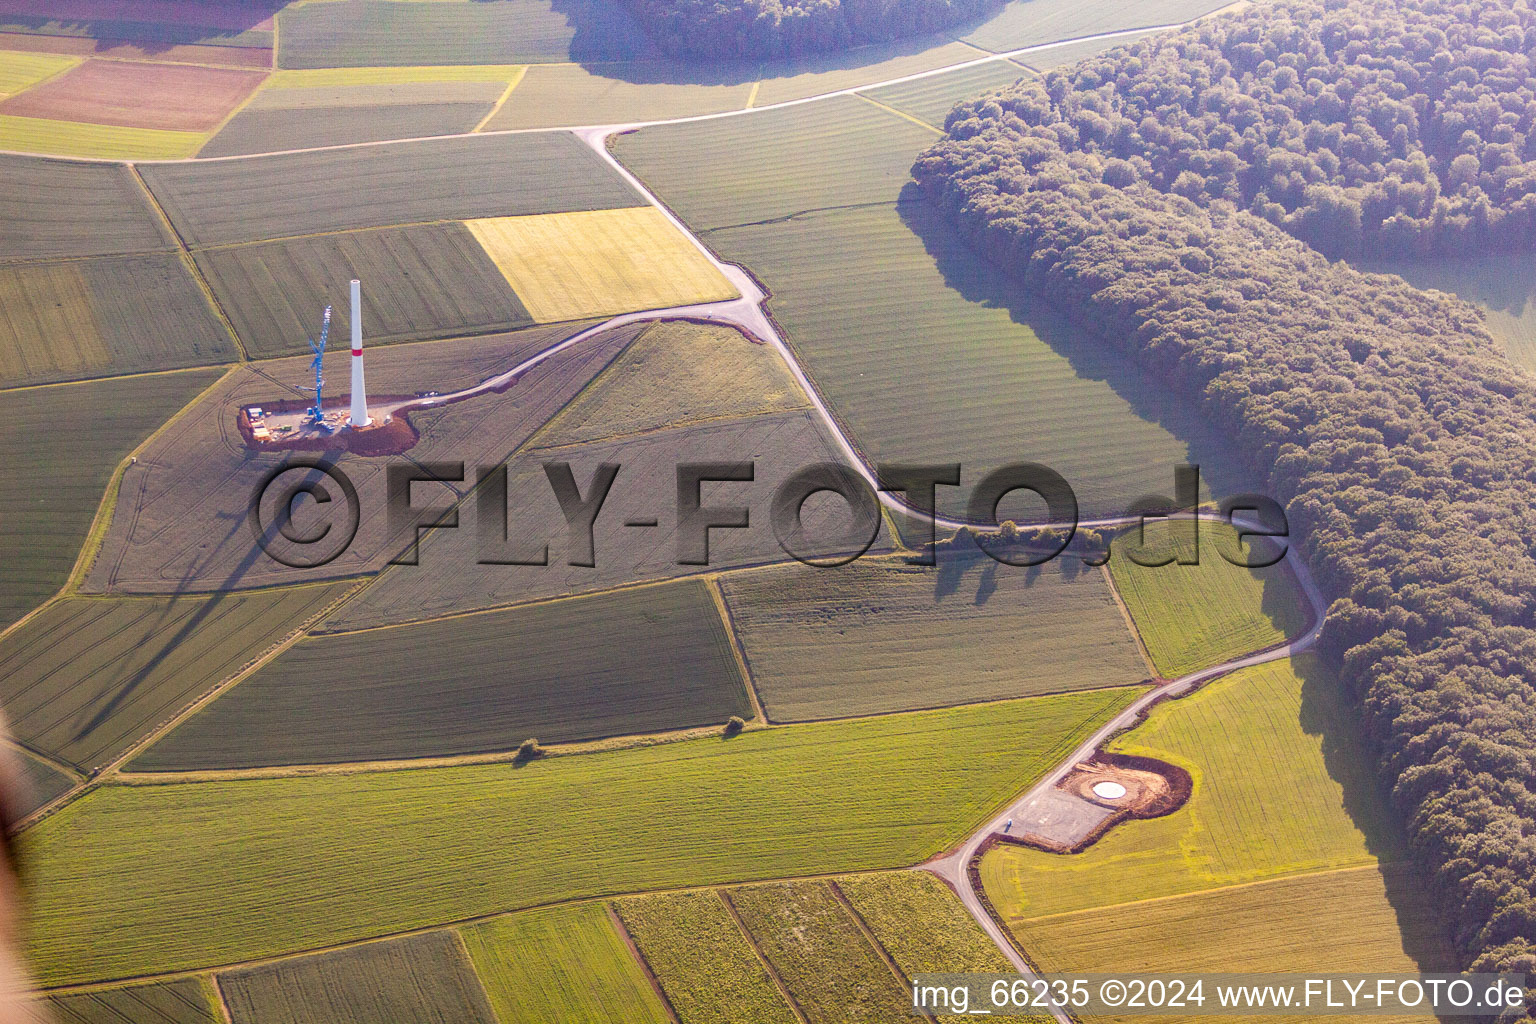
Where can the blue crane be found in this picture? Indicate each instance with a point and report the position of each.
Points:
(316, 413)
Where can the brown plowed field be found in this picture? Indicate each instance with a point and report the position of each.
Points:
(167, 96)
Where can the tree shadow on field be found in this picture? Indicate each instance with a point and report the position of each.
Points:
(697, 71)
(119, 26)
(1326, 712)
(1222, 470)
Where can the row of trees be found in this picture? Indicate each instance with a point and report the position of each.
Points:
(1361, 127)
(1400, 439)
(765, 29)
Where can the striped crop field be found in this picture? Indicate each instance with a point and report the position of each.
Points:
(105, 141)
(706, 965)
(257, 867)
(184, 1001)
(88, 676)
(65, 441)
(924, 353)
(1207, 611)
(423, 281)
(565, 266)
(419, 978)
(20, 71)
(69, 319)
(920, 922)
(248, 199)
(646, 659)
(674, 374)
(566, 963)
(884, 635)
(824, 961)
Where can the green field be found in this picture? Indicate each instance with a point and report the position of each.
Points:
(913, 343)
(925, 353)
(68, 319)
(381, 32)
(1034, 22)
(675, 374)
(826, 964)
(777, 164)
(280, 119)
(420, 282)
(67, 208)
(931, 99)
(883, 635)
(213, 202)
(706, 966)
(423, 978)
(20, 70)
(555, 95)
(104, 141)
(88, 676)
(185, 1001)
(924, 928)
(561, 965)
(1282, 786)
(66, 441)
(251, 868)
(1368, 920)
(1194, 616)
(633, 661)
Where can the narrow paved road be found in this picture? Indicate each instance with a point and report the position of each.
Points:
(954, 867)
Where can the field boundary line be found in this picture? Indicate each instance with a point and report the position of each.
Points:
(645, 965)
(1130, 621)
(773, 972)
(62, 767)
(73, 988)
(712, 583)
(517, 77)
(216, 995)
(752, 94)
(191, 264)
(1285, 876)
(66, 69)
(101, 522)
(989, 56)
(111, 768)
(900, 113)
(131, 375)
(875, 945)
(577, 748)
(233, 113)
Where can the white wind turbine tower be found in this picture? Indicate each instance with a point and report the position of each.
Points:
(360, 416)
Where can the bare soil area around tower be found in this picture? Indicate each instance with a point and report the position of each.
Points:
(1082, 807)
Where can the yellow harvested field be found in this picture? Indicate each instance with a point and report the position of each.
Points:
(20, 71)
(76, 138)
(308, 78)
(567, 266)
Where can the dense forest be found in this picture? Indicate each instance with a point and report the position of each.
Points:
(1362, 128)
(1400, 439)
(761, 29)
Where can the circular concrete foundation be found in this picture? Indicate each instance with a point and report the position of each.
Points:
(1108, 790)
